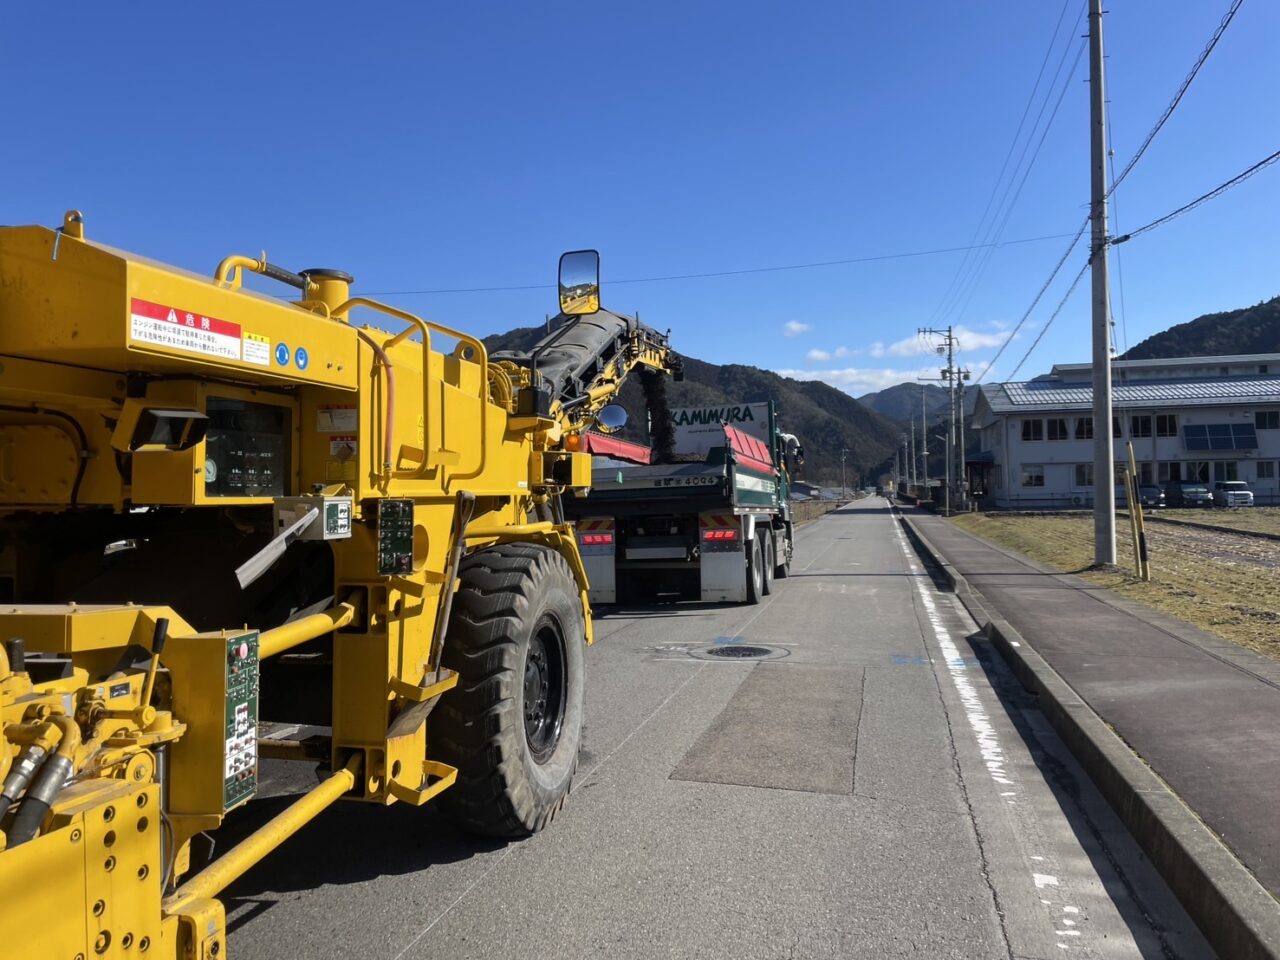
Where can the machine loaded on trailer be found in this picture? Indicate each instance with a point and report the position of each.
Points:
(715, 524)
(210, 498)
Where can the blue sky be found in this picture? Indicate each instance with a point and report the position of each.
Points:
(427, 147)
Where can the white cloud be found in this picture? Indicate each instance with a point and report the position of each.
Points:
(860, 380)
(920, 344)
(876, 349)
(793, 328)
(817, 356)
(843, 352)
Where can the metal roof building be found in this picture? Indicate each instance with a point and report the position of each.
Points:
(1190, 419)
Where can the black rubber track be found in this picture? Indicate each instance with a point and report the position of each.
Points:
(507, 592)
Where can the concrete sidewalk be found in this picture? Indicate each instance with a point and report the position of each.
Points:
(1202, 713)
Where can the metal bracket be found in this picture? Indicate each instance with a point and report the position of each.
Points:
(430, 768)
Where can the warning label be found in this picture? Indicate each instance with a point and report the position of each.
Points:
(337, 419)
(344, 448)
(176, 329)
(257, 349)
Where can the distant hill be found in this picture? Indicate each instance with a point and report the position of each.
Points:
(1253, 329)
(902, 401)
(825, 420)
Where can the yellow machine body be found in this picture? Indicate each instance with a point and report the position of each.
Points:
(139, 402)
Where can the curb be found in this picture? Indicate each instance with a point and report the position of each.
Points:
(1236, 914)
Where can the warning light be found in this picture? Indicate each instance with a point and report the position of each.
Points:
(573, 442)
(720, 535)
(595, 539)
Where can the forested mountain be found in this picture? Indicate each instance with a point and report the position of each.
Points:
(1253, 329)
(825, 420)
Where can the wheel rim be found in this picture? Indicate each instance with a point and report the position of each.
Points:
(758, 573)
(544, 689)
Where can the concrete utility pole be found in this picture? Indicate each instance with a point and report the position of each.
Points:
(1104, 507)
(949, 375)
(844, 487)
(924, 441)
(911, 458)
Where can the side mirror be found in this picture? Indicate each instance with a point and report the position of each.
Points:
(611, 418)
(579, 282)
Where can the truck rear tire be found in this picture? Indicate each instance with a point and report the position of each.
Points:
(767, 553)
(513, 724)
(755, 571)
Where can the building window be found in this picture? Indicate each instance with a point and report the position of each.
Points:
(1140, 426)
(1169, 472)
(1032, 430)
(1058, 429)
(1262, 368)
(1144, 473)
(1197, 471)
(1032, 474)
(1084, 428)
(1225, 470)
(1266, 420)
(1266, 469)
(1116, 432)
(1084, 474)
(1167, 425)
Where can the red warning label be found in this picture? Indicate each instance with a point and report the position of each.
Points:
(162, 326)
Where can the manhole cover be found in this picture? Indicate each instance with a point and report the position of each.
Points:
(737, 651)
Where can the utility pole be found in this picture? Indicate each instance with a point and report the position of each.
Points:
(924, 441)
(911, 458)
(949, 376)
(844, 487)
(1104, 508)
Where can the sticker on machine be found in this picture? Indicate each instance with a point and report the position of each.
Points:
(257, 349)
(335, 418)
(342, 447)
(162, 326)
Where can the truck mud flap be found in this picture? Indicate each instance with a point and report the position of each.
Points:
(597, 542)
(723, 560)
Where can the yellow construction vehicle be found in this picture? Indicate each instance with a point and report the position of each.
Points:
(217, 508)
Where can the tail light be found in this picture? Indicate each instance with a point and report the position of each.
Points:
(727, 534)
(595, 539)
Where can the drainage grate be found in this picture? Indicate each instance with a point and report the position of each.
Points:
(739, 651)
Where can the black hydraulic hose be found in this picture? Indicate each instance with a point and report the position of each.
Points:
(84, 441)
(39, 798)
(28, 762)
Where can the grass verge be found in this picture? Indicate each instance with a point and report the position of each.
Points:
(1225, 584)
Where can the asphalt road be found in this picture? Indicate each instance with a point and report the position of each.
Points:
(881, 788)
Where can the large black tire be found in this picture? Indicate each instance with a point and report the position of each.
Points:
(767, 549)
(513, 724)
(782, 559)
(755, 570)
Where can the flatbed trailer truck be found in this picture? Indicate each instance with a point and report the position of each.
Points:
(717, 528)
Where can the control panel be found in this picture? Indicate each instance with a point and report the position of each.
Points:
(240, 756)
(246, 448)
(395, 537)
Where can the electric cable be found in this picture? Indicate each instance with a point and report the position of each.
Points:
(1053, 316)
(1203, 198)
(1018, 326)
(1177, 97)
(724, 273)
(995, 187)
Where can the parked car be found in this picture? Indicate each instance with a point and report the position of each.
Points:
(1187, 495)
(1150, 495)
(1232, 493)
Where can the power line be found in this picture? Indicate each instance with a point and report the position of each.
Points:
(1026, 173)
(1018, 326)
(1177, 97)
(1053, 316)
(995, 187)
(1203, 198)
(729, 273)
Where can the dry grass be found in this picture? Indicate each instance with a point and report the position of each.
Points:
(1223, 583)
(1255, 519)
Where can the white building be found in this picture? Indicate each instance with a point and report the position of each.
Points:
(1198, 419)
